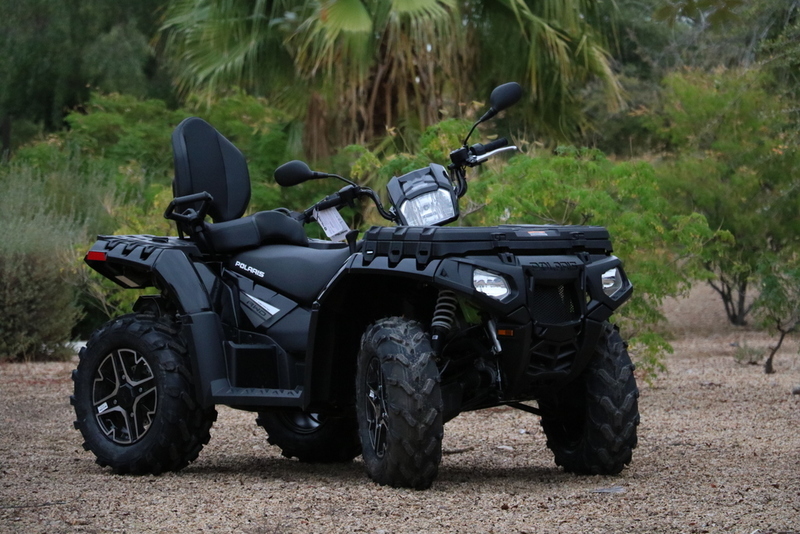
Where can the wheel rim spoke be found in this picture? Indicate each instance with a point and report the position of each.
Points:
(144, 410)
(376, 408)
(108, 378)
(125, 397)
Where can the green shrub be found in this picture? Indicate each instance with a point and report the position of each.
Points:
(37, 269)
(37, 306)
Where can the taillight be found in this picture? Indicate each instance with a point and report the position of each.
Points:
(95, 255)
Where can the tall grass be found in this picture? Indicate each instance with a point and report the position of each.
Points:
(45, 217)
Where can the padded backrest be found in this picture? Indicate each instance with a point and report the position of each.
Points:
(206, 161)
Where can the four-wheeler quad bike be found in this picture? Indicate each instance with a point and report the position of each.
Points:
(362, 346)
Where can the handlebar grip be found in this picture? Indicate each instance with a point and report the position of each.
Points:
(331, 201)
(479, 149)
(494, 145)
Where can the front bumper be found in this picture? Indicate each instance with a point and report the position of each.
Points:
(549, 323)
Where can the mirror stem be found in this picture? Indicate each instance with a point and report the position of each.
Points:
(475, 126)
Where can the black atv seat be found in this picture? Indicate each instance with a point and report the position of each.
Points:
(206, 161)
(258, 229)
(297, 272)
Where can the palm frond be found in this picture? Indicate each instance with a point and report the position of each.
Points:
(218, 43)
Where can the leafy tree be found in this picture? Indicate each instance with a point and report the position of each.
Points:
(710, 33)
(734, 159)
(699, 12)
(116, 60)
(357, 67)
(555, 49)
(655, 37)
(777, 307)
(316, 58)
(51, 52)
(780, 56)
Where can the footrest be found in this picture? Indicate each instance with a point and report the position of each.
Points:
(223, 393)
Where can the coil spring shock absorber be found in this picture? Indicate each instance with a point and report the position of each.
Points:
(444, 315)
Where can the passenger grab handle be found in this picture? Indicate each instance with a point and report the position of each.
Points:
(189, 215)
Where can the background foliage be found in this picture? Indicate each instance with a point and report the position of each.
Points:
(689, 107)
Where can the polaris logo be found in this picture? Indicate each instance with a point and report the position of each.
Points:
(554, 266)
(249, 269)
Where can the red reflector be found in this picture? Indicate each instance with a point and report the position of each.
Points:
(95, 255)
(505, 333)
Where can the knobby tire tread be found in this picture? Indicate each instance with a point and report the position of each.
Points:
(607, 396)
(184, 424)
(414, 404)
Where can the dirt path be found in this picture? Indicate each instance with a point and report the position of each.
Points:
(719, 451)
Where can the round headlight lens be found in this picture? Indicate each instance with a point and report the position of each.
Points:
(490, 284)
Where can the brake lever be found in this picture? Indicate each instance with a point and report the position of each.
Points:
(477, 160)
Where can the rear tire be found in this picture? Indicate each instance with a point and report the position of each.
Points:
(311, 437)
(399, 405)
(591, 424)
(134, 398)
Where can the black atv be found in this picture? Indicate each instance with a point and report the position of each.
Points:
(346, 346)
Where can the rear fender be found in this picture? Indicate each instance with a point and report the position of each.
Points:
(164, 263)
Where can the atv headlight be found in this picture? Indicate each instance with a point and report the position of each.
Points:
(612, 281)
(490, 284)
(424, 197)
(428, 209)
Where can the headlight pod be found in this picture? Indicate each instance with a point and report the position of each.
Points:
(612, 281)
(428, 209)
(424, 197)
(490, 284)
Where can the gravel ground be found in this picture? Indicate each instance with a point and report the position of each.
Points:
(718, 452)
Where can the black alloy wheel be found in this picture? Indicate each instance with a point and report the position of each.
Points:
(399, 404)
(375, 408)
(134, 397)
(124, 396)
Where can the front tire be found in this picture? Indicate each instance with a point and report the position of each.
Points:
(591, 424)
(312, 437)
(134, 398)
(399, 405)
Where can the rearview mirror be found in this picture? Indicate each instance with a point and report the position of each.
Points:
(504, 96)
(293, 173)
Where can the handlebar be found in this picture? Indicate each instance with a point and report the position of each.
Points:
(479, 149)
(477, 153)
(480, 159)
(344, 197)
(466, 156)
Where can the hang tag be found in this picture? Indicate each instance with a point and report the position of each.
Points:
(332, 223)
